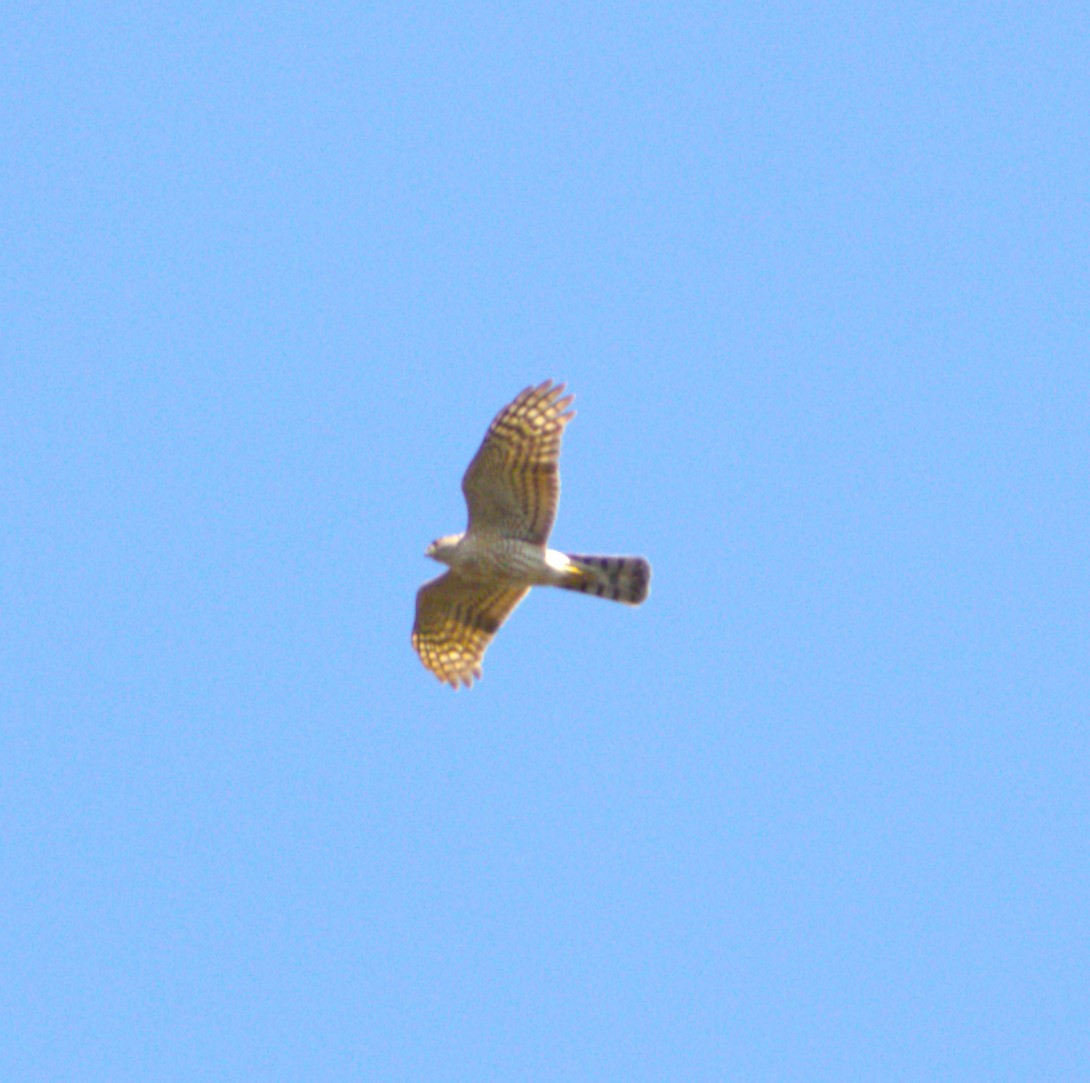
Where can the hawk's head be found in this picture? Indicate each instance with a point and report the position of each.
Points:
(442, 549)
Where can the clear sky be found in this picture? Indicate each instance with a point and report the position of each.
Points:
(818, 276)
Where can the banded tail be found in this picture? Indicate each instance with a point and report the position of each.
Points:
(620, 579)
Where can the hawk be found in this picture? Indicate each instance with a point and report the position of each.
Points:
(512, 488)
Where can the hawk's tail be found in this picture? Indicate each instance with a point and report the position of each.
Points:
(621, 579)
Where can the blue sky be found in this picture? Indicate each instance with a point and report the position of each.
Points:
(818, 278)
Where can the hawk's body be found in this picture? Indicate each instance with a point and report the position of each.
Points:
(512, 488)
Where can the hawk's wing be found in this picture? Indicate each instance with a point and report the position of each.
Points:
(455, 622)
(512, 486)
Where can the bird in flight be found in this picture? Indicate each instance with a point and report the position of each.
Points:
(512, 489)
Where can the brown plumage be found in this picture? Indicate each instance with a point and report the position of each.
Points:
(512, 488)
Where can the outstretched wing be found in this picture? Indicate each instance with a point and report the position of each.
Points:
(512, 487)
(455, 622)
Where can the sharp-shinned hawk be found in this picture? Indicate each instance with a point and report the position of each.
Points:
(512, 488)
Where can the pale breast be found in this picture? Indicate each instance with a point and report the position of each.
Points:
(500, 560)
